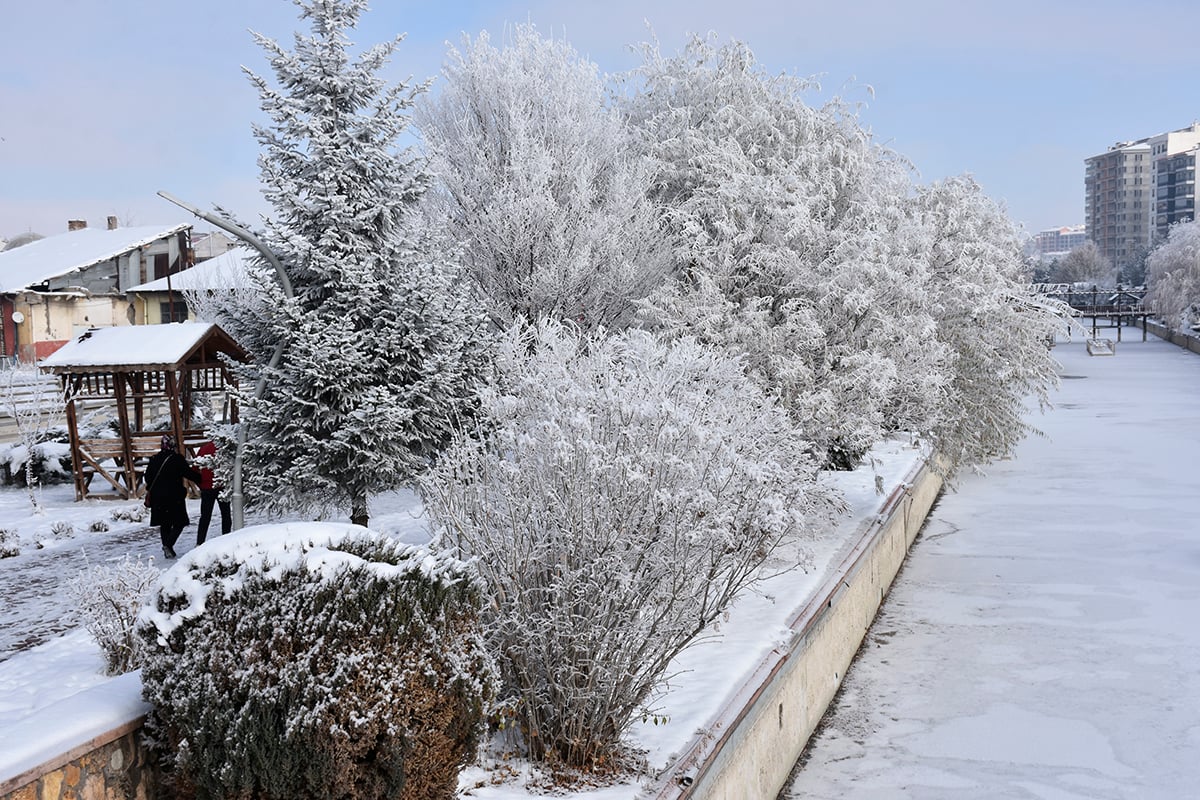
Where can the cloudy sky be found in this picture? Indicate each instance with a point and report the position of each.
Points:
(104, 103)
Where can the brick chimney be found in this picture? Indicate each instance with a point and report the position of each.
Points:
(76, 224)
(112, 223)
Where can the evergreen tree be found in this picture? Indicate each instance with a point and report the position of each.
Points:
(382, 345)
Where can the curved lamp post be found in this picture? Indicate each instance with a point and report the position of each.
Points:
(237, 499)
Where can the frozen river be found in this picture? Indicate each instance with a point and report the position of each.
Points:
(1043, 640)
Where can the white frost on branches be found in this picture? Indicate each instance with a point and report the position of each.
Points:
(1173, 277)
(541, 183)
(792, 239)
(619, 495)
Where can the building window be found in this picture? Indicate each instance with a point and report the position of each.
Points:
(173, 312)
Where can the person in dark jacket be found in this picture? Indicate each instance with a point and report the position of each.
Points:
(164, 480)
(210, 493)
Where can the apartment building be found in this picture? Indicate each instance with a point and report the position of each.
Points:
(1055, 243)
(1174, 161)
(1136, 190)
(1118, 193)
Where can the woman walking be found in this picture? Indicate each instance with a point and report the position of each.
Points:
(164, 483)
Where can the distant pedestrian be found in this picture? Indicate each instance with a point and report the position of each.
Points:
(210, 493)
(164, 478)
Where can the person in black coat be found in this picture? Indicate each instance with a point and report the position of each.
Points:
(164, 481)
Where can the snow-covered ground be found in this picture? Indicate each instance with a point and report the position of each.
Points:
(1042, 640)
(68, 661)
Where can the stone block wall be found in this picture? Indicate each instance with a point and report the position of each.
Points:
(113, 770)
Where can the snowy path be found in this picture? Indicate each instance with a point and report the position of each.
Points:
(36, 607)
(1042, 640)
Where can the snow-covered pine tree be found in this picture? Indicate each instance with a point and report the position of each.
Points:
(383, 344)
(792, 239)
(1173, 275)
(541, 183)
(988, 317)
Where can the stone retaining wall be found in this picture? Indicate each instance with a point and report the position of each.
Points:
(1184, 340)
(749, 751)
(85, 747)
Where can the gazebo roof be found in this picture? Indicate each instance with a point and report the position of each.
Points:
(138, 348)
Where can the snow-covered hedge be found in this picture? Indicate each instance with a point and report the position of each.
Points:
(51, 462)
(625, 491)
(315, 660)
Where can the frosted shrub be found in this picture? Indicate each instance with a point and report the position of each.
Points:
(108, 598)
(315, 661)
(10, 543)
(1173, 275)
(627, 490)
(62, 529)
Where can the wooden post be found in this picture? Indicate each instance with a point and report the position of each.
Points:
(73, 432)
(173, 402)
(130, 489)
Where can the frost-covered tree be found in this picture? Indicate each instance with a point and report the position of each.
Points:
(541, 183)
(793, 241)
(382, 343)
(35, 403)
(625, 492)
(1084, 264)
(996, 330)
(1173, 276)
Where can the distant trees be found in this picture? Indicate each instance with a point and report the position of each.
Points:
(1084, 264)
(1173, 277)
(541, 183)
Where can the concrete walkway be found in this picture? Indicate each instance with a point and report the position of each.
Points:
(1043, 640)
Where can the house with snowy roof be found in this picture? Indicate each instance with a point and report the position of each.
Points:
(164, 299)
(55, 288)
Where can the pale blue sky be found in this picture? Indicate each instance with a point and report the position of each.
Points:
(102, 103)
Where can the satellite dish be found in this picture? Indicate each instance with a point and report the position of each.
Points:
(18, 317)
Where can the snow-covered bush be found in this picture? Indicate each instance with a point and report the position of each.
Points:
(130, 513)
(622, 493)
(108, 598)
(10, 543)
(62, 529)
(313, 660)
(51, 462)
(1173, 277)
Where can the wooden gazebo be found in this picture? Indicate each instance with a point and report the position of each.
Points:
(146, 372)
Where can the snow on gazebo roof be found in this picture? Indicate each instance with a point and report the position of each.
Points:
(136, 347)
(53, 256)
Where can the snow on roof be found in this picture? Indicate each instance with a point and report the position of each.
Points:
(58, 255)
(130, 345)
(223, 272)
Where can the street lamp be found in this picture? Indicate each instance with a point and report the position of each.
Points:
(237, 498)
